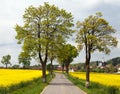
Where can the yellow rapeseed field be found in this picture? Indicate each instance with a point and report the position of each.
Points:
(102, 78)
(9, 76)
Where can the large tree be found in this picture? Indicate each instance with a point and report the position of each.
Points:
(6, 60)
(94, 34)
(66, 55)
(41, 25)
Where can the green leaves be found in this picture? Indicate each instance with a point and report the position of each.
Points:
(6, 60)
(45, 28)
(24, 59)
(67, 54)
(95, 32)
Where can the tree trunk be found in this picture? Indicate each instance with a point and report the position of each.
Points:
(67, 68)
(88, 57)
(23, 66)
(40, 57)
(44, 72)
(51, 68)
(87, 84)
(63, 68)
(6, 66)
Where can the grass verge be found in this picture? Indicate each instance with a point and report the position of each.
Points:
(95, 88)
(31, 87)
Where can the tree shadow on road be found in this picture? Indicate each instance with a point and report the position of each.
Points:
(65, 84)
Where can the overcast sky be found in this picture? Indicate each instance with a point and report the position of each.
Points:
(11, 12)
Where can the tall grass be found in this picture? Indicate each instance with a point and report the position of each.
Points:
(95, 88)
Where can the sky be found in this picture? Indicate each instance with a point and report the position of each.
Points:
(11, 12)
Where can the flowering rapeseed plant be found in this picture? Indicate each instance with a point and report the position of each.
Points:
(10, 77)
(102, 78)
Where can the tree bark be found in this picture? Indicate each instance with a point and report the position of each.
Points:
(63, 68)
(51, 68)
(43, 63)
(88, 57)
(6, 66)
(87, 84)
(67, 68)
(44, 72)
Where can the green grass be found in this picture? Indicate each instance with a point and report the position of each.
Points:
(94, 88)
(32, 87)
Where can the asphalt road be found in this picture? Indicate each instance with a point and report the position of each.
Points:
(61, 85)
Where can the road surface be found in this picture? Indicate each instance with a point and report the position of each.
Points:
(61, 85)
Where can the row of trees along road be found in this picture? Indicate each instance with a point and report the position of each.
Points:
(66, 55)
(46, 29)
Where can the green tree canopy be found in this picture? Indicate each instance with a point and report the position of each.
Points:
(95, 33)
(24, 59)
(66, 55)
(70, 54)
(42, 26)
(6, 60)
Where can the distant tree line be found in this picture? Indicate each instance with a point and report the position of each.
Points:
(109, 66)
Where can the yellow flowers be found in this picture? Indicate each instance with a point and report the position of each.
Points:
(9, 76)
(102, 78)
